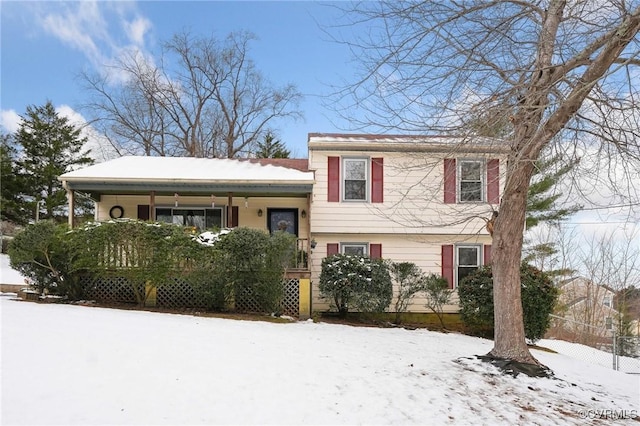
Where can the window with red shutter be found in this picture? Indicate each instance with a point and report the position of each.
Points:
(450, 180)
(332, 248)
(333, 168)
(487, 255)
(375, 251)
(493, 181)
(377, 180)
(447, 263)
(143, 211)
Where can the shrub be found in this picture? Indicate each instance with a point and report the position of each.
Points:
(254, 263)
(146, 254)
(539, 296)
(438, 294)
(356, 282)
(41, 252)
(409, 280)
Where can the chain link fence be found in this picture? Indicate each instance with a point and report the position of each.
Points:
(592, 344)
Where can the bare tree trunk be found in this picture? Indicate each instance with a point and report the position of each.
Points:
(507, 247)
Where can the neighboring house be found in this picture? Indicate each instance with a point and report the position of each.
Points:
(587, 309)
(404, 198)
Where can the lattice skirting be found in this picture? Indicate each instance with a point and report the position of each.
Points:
(179, 293)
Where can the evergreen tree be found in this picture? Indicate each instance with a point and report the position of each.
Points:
(541, 205)
(271, 148)
(49, 146)
(13, 206)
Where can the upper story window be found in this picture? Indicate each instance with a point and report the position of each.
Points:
(471, 182)
(200, 218)
(356, 178)
(607, 301)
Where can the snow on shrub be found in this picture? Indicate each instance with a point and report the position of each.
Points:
(209, 238)
(357, 282)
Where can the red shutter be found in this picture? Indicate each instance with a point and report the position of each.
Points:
(375, 251)
(235, 212)
(487, 254)
(332, 248)
(333, 166)
(493, 181)
(447, 263)
(377, 180)
(449, 180)
(143, 211)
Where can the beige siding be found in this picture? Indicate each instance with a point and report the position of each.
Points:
(424, 251)
(412, 224)
(248, 216)
(413, 199)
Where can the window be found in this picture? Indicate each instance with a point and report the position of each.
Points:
(607, 301)
(355, 179)
(358, 249)
(467, 260)
(471, 181)
(200, 218)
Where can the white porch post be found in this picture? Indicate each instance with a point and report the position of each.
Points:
(71, 202)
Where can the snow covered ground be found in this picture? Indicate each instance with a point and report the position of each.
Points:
(75, 365)
(9, 275)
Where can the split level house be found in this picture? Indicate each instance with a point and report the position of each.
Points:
(415, 199)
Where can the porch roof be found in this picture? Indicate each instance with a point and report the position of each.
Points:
(187, 175)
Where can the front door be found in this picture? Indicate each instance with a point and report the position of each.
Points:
(283, 220)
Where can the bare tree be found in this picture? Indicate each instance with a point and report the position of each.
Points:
(200, 98)
(605, 265)
(561, 73)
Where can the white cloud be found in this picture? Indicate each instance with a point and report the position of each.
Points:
(100, 148)
(100, 30)
(10, 120)
(137, 29)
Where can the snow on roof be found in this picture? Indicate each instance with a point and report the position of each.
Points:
(405, 142)
(141, 168)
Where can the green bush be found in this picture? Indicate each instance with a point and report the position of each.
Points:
(409, 280)
(356, 282)
(253, 263)
(146, 254)
(438, 294)
(41, 252)
(539, 297)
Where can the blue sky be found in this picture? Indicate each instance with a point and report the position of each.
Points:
(44, 45)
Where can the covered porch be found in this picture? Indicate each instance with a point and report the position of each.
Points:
(206, 194)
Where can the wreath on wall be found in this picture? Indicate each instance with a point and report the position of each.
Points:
(116, 212)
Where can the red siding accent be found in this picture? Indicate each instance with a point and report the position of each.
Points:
(375, 251)
(235, 212)
(333, 166)
(143, 211)
(377, 180)
(449, 180)
(487, 254)
(332, 248)
(447, 263)
(493, 181)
